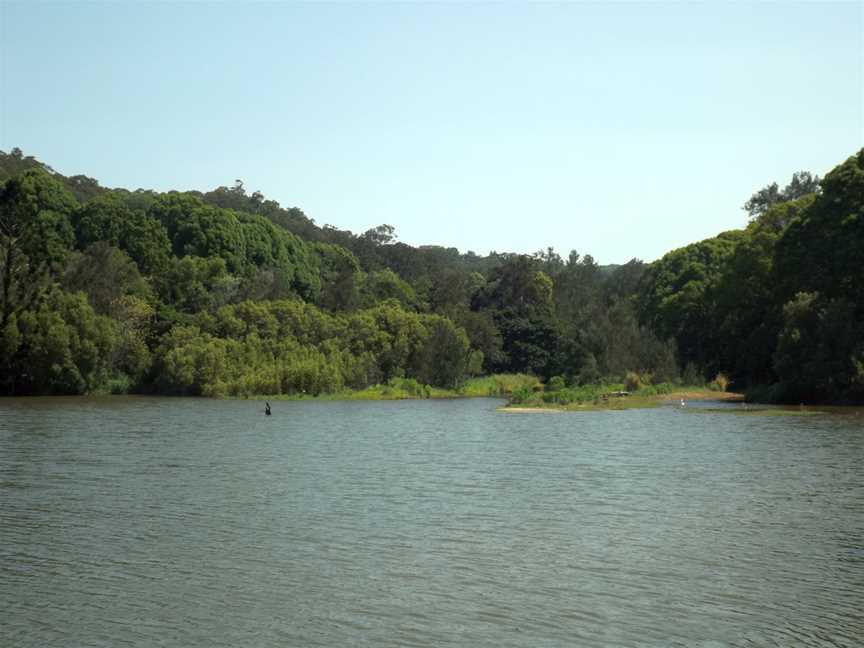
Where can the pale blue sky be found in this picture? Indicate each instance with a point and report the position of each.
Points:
(620, 130)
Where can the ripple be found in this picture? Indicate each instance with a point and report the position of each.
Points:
(140, 522)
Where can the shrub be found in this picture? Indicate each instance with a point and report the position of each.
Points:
(556, 383)
(410, 386)
(660, 388)
(119, 384)
(521, 395)
(720, 382)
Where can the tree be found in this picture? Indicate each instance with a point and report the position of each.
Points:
(103, 219)
(519, 298)
(105, 274)
(550, 261)
(819, 276)
(746, 313)
(35, 236)
(108, 218)
(133, 318)
(382, 285)
(381, 235)
(444, 353)
(819, 350)
(678, 299)
(194, 284)
(483, 336)
(340, 277)
(802, 183)
(62, 347)
(821, 249)
(146, 242)
(577, 289)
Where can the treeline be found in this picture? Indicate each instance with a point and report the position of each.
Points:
(778, 306)
(228, 293)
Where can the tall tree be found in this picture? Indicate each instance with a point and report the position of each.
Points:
(678, 298)
(519, 296)
(802, 183)
(35, 236)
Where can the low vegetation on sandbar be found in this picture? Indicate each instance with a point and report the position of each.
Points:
(635, 392)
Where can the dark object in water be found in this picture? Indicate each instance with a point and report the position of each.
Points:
(267, 408)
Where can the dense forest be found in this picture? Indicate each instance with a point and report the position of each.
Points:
(227, 293)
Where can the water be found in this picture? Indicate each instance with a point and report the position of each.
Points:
(182, 522)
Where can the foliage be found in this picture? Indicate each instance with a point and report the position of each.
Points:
(519, 298)
(802, 184)
(819, 350)
(632, 381)
(59, 347)
(720, 382)
(227, 293)
(499, 385)
(679, 296)
(35, 237)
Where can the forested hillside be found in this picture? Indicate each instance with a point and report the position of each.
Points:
(228, 293)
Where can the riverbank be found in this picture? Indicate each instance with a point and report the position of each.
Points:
(495, 386)
(524, 393)
(632, 401)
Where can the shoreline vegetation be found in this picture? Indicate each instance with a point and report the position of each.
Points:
(495, 386)
(636, 400)
(227, 294)
(525, 393)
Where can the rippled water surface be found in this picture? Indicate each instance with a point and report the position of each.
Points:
(175, 522)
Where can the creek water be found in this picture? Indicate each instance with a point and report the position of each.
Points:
(192, 522)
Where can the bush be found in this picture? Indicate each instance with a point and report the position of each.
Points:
(660, 388)
(720, 382)
(120, 384)
(556, 383)
(521, 395)
(411, 387)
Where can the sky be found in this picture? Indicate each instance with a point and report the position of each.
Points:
(620, 130)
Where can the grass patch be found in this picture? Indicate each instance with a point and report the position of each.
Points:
(115, 386)
(499, 385)
(606, 396)
(496, 386)
(522, 391)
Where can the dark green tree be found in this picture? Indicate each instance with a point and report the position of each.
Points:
(802, 184)
(678, 299)
(105, 273)
(519, 297)
(443, 356)
(35, 237)
(61, 346)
